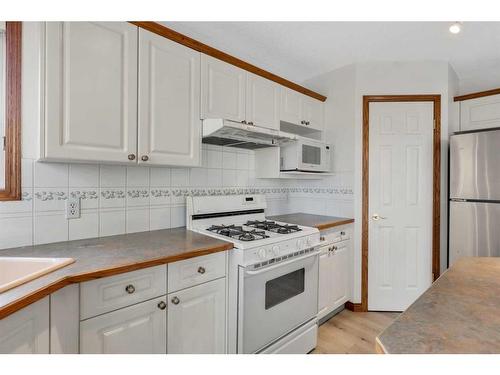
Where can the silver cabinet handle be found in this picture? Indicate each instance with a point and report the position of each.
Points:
(131, 157)
(201, 270)
(130, 289)
(378, 217)
(175, 300)
(144, 158)
(162, 305)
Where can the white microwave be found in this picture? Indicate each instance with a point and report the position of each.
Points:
(305, 155)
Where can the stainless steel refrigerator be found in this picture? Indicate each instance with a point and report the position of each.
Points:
(474, 194)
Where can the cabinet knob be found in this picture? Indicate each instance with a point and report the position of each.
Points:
(131, 157)
(162, 305)
(250, 123)
(130, 289)
(175, 300)
(303, 122)
(307, 122)
(201, 270)
(144, 158)
(243, 121)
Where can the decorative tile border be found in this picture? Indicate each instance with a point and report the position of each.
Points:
(84, 194)
(144, 193)
(51, 195)
(112, 194)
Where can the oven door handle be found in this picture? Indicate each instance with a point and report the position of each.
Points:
(280, 264)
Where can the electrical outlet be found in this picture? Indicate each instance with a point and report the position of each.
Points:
(73, 208)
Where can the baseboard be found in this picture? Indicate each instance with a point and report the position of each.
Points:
(356, 307)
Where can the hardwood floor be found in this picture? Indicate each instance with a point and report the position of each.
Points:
(352, 332)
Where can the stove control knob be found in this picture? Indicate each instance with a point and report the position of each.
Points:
(262, 253)
(309, 241)
(300, 243)
(275, 250)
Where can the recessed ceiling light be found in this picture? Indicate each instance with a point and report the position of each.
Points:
(456, 28)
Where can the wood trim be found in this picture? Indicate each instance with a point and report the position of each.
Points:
(334, 224)
(436, 182)
(356, 307)
(379, 348)
(177, 37)
(12, 189)
(104, 272)
(475, 95)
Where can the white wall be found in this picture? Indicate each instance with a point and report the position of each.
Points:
(383, 78)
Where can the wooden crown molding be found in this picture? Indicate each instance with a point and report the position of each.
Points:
(476, 95)
(177, 37)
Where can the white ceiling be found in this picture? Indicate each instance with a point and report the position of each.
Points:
(301, 50)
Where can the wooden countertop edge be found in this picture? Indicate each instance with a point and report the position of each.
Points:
(78, 278)
(324, 226)
(379, 347)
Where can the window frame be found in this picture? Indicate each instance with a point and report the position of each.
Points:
(12, 189)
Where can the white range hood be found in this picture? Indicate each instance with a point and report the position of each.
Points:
(235, 134)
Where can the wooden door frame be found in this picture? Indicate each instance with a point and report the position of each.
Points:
(436, 184)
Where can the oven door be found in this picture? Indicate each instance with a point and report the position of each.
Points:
(275, 300)
(313, 156)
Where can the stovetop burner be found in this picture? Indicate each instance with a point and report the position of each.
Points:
(237, 232)
(272, 226)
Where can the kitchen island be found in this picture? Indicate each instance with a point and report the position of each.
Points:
(459, 313)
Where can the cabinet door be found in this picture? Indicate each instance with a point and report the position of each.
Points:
(325, 284)
(312, 112)
(197, 319)
(263, 102)
(91, 91)
(480, 113)
(222, 90)
(137, 329)
(169, 102)
(27, 330)
(340, 275)
(291, 106)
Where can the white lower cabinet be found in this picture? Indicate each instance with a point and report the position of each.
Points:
(27, 330)
(137, 329)
(197, 319)
(334, 273)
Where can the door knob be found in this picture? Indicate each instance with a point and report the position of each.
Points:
(378, 217)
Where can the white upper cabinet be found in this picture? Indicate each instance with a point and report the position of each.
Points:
(480, 113)
(27, 330)
(301, 110)
(222, 90)
(312, 112)
(91, 91)
(197, 319)
(262, 102)
(291, 106)
(169, 102)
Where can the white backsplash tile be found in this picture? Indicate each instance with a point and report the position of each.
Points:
(178, 216)
(16, 231)
(27, 173)
(214, 177)
(229, 177)
(179, 177)
(214, 159)
(111, 222)
(112, 175)
(50, 199)
(50, 227)
(137, 176)
(229, 159)
(137, 220)
(198, 177)
(83, 175)
(50, 174)
(87, 226)
(89, 197)
(159, 218)
(138, 196)
(112, 197)
(159, 177)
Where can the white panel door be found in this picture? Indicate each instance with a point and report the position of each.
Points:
(137, 329)
(169, 102)
(480, 113)
(222, 90)
(312, 113)
(340, 275)
(325, 284)
(91, 91)
(291, 106)
(400, 184)
(263, 102)
(197, 319)
(27, 330)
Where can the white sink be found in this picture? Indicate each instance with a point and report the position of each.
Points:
(18, 270)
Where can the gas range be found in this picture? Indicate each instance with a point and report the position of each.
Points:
(241, 219)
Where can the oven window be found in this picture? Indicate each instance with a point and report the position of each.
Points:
(311, 154)
(284, 287)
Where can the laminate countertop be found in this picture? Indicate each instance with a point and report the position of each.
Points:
(101, 257)
(308, 220)
(459, 313)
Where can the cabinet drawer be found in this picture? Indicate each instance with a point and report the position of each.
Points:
(111, 293)
(336, 235)
(194, 271)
